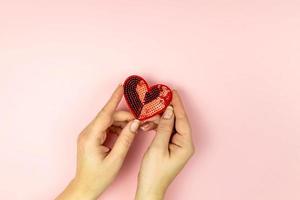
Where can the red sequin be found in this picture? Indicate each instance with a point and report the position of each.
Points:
(144, 101)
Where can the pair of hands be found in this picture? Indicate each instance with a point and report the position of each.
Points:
(98, 165)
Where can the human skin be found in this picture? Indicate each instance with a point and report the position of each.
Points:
(168, 153)
(98, 165)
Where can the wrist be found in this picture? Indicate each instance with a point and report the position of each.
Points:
(149, 197)
(143, 194)
(81, 191)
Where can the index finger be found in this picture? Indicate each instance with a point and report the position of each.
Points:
(111, 105)
(105, 117)
(182, 124)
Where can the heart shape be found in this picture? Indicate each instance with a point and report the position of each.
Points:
(144, 101)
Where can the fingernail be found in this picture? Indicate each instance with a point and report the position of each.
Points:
(145, 126)
(168, 113)
(134, 125)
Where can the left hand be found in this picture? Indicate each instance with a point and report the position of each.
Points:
(97, 164)
(168, 153)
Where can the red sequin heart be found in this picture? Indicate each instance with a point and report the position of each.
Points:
(144, 101)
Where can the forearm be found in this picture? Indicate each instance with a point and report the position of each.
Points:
(149, 197)
(145, 194)
(76, 191)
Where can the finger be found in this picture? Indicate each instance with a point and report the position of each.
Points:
(178, 140)
(113, 102)
(121, 146)
(147, 126)
(119, 124)
(103, 149)
(164, 130)
(104, 118)
(182, 124)
(154, 119)
(114, 130)
(122, 116)
(150, 124)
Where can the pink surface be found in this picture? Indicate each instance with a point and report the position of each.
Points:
(236, 64)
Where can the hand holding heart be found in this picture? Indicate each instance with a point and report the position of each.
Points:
(98, 164)
(172, 146)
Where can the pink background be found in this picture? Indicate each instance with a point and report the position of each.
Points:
(236, 64)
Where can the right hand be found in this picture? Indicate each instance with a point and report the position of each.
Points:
(168, 153)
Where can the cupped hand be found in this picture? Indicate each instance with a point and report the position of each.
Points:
(168, 153)
(97, 163)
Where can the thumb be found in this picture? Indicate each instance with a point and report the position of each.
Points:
(124, 141)
(164, 130)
